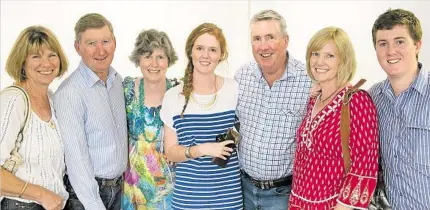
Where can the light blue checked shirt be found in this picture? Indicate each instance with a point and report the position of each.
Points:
(404, 129)
(269, 119)
(92, 121)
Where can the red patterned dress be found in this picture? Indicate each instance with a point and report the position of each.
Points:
(319, 175)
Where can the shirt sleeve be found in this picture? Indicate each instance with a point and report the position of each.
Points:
(166, 112)
(70, 113)
(12, 120)
(360, 182)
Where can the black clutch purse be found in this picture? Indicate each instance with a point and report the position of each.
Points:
(231, 134)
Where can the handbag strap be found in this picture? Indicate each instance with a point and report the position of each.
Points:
(345, 122)
(14, 160)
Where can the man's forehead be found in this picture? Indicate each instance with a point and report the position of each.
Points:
(96, 33)
(398, 31)
(265, 27)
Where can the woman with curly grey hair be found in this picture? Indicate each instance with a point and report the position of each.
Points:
(148, 178)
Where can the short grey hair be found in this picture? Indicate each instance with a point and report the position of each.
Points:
(265, 15)
(149, 40)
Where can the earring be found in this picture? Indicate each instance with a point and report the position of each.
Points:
(23, 74)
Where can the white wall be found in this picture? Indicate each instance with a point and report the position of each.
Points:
(178, 18)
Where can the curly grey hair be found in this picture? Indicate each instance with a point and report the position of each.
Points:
(271, 15)
(149, 40)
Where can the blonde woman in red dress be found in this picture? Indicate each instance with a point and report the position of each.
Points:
(320, 179)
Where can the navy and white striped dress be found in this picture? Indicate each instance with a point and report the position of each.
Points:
(201, 184)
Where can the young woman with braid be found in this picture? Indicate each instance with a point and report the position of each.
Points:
(194, 113)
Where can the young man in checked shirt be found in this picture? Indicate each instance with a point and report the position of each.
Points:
(273, 93)
(403, 105)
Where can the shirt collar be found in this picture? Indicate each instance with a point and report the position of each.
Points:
(91, 78)
(419, 83)
(290, 71)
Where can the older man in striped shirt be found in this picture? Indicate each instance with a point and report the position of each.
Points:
(91, 113)
(403, 104)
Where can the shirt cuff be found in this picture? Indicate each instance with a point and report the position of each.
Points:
(357, 191)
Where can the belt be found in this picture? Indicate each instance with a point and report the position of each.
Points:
(109, 182)
(268, 184)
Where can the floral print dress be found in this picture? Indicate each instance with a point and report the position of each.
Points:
(148, 180)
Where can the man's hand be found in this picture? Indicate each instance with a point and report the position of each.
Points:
(315, 90)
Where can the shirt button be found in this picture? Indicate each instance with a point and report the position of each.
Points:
(397, 175)
(395, 156)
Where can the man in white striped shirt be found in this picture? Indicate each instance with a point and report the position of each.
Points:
(91, 113)
(403, 104)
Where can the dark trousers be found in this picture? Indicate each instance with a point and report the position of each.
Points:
(110, 193)
(10, 204)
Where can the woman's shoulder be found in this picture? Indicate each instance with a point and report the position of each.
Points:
(13, 98)
(128, 81)
(174, 91)
(129, 84)
(360, 95)
(230, 85)
(13, 94)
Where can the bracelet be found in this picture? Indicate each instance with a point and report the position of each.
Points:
(188, 154)
(23, 189)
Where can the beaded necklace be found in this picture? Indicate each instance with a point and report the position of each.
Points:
(153, 120)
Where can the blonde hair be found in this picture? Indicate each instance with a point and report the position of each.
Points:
(31, 40)
(347, 64)
(213, 30)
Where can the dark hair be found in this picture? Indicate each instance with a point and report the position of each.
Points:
(391, 18)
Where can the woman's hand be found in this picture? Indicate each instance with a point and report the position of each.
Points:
(49, 200)
(341, 207)
(219, 150)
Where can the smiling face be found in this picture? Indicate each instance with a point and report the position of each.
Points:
(154, 65)
(269, 46)
(324, 64)
(42, 67)
(396, 51)
(97, 47)
(206, 54)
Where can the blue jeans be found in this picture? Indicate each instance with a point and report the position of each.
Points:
(110, 195)
(10, 204)
(272, 199)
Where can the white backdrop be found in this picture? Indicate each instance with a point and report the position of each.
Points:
(178, 18)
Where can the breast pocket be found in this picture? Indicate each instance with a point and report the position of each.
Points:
(289, 119)
(418, 136)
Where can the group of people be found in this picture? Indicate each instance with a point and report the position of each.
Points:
(75, 153)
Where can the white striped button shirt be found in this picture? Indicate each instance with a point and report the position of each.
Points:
(269, 119)
(404, 128)
(92, 121)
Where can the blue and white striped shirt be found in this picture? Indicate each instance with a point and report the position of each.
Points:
(404, 129)
(92, 121)
(201, 184)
